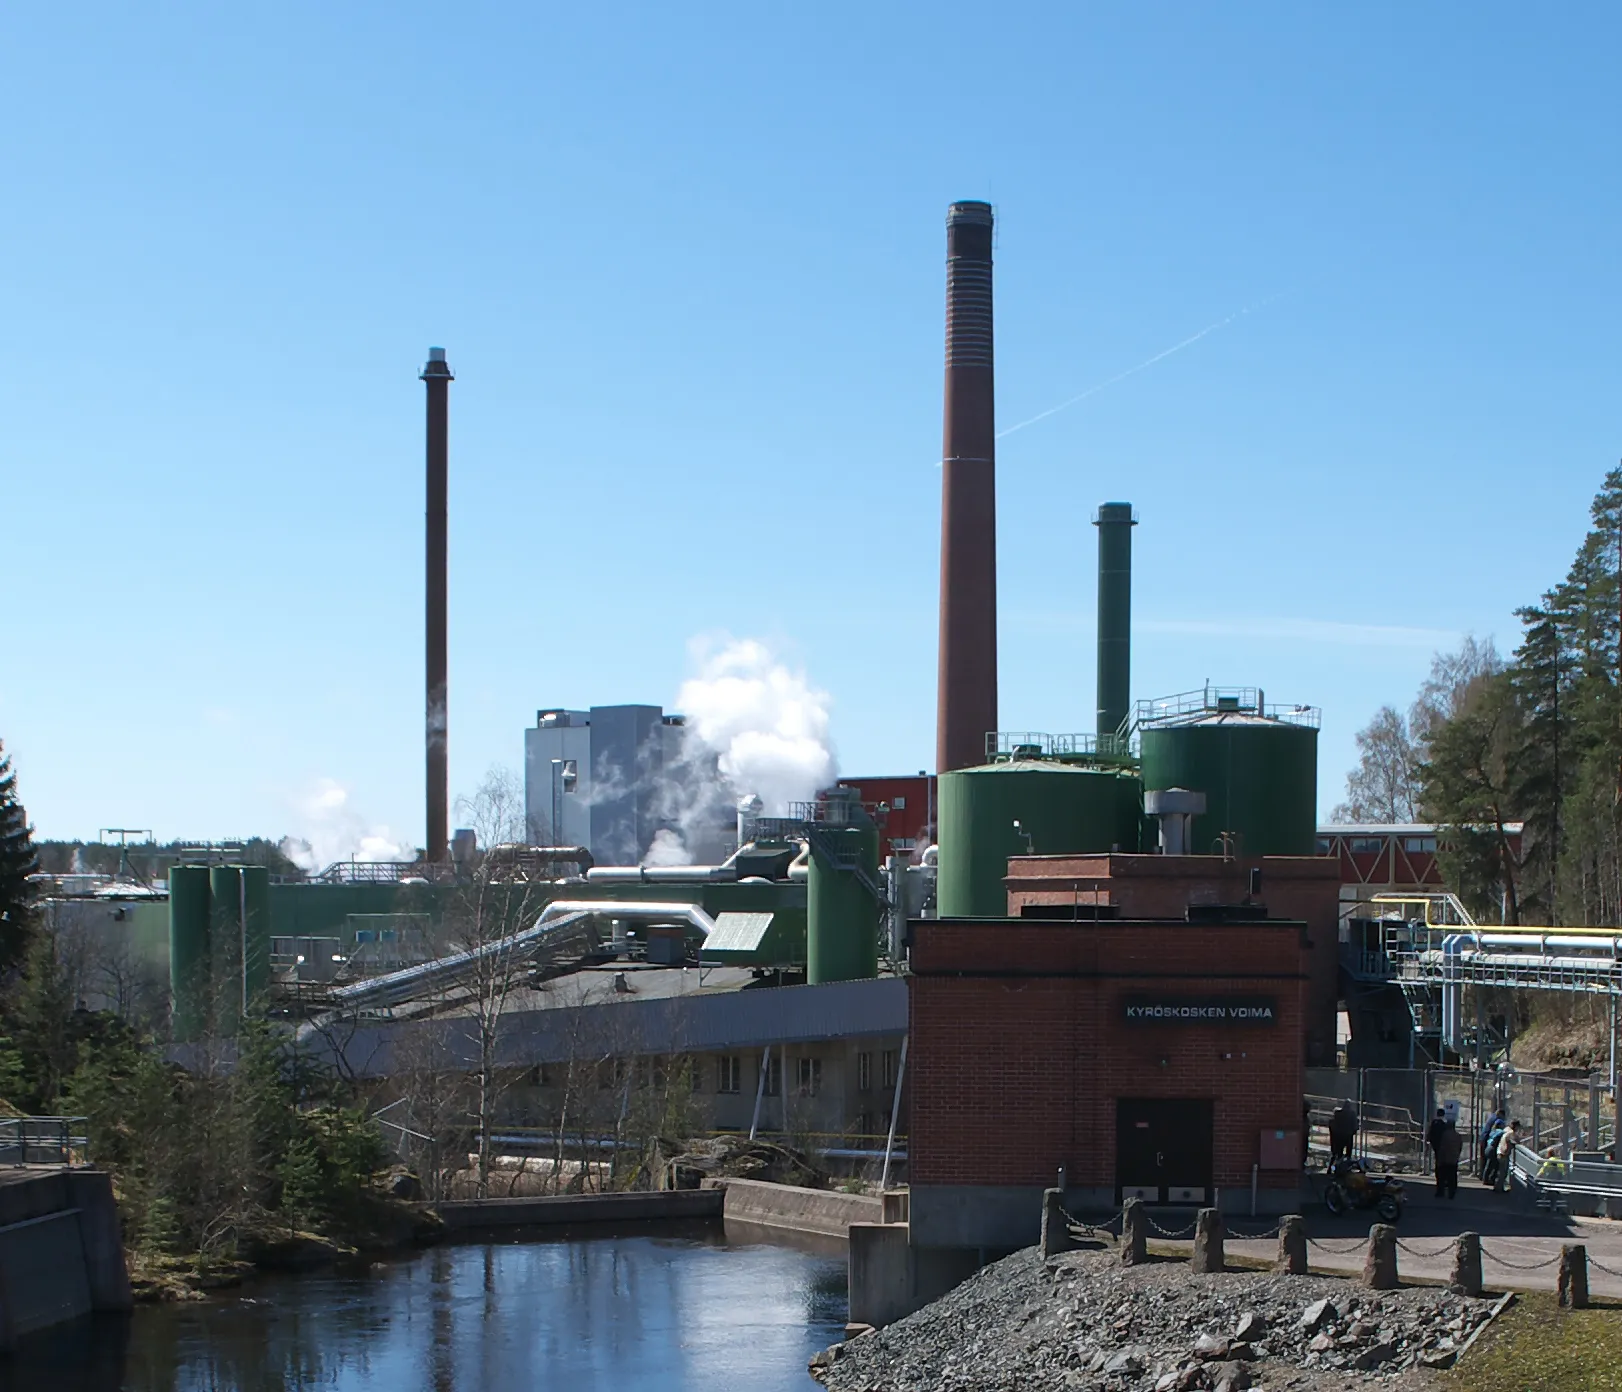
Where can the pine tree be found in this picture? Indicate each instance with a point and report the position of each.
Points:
(17, 863)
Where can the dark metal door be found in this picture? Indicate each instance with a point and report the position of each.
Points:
(1164, 1150)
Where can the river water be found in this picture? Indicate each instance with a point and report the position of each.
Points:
(685, 1309)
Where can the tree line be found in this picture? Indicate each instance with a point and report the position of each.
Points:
(1533, 739)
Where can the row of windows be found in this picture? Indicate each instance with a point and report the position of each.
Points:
(1375, 845)
(728, 1074)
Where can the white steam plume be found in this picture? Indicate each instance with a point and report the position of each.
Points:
(331, 829)
(765, 723)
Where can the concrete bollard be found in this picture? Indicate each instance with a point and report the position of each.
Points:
(1572, 1289)
(1208, 1234)
(1055, 1224)
(1134, 1233)
(1466, 1277)
(1292, 1245)
(1380, 1264)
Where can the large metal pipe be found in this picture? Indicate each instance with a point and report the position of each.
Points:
(966, 694)
(1115, 523)
(437, 376)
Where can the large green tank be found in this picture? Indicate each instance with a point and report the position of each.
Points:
(256, 933)
(842, 916)
(1259, 774)
(1061, 809)
(188, 950)
(225, 891)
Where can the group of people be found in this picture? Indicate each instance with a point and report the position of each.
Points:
(1499, 1137)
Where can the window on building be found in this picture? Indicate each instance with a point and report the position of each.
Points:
(866, 1126)
(1419, 845)
(364, 935)
(541, 1075)
(864, 1071)
(1324, 845)
(808, 1076)
(729, 1073)
(900, 804)
(774, 1077)
(891, 1059)
(610, 1073)
(1366, 845)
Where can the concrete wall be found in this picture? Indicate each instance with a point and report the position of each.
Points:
(800, 1210)
(61, 1250)
(462, 1214)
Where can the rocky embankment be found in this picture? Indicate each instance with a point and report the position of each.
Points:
(1084, 1321)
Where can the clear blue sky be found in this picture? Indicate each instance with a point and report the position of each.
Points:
(687, 265)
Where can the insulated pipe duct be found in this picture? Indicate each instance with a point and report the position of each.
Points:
(1115, 523)
(661, 874)
(966, 694)
(437, 375)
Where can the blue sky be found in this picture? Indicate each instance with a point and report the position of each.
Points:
(687, 265)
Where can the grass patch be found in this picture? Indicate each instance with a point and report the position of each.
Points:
(1535, 1346)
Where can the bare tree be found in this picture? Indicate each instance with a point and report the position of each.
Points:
(1382, 788)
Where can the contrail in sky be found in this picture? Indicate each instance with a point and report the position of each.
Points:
(1131, 371)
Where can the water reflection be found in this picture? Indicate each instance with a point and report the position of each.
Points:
(637, 1312)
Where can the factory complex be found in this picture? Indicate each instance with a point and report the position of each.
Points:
(1102, 959)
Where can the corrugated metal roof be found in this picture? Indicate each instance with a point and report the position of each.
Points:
(738, 932)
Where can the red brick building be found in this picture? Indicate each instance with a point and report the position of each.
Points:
(1150, 1057)
(1303, 888)
(909, 822)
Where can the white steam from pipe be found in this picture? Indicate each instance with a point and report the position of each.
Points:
(331, 829)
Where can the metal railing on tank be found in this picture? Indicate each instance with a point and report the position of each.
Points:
(1185, 707)
(33, 1140)
(1002, 746)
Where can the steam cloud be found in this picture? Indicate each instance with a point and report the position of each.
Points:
(766, 724)
(332, 830)
(754, 725)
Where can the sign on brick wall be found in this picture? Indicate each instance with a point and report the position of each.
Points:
(1200, 1010)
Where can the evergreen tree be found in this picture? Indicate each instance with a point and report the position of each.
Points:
(17, 863)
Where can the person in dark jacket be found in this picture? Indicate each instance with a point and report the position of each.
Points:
(1342, 1131)
(1437, 1126)
(1494, 1123)
(1448, 1147)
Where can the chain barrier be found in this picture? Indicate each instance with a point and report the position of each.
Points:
(1518, 1266)
(1336, 1246)
(1174, 1236)
(1079, 1227)
(1413, 1251)
(1256, 1236)
(1598, 1265)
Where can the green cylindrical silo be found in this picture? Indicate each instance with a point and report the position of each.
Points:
(256, 933)
(189, 972)
(842, 916)
(225, 892)
(1259, 776)
(1114, 523)
(1061, 810)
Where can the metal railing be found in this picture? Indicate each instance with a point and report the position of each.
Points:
(43, 1141)
(1185, 707)
(1003, 745)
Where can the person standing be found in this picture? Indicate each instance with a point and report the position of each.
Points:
(1484, 1163)
(1448, 1147)
(1342, 1131)
(1504, 1156)
(1437, 1126)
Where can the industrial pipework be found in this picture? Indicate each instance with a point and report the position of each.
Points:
(437, 375)
(966, 694)
(1115, 523)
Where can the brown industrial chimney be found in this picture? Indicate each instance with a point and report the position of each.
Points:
(967, 692)
(437, 375)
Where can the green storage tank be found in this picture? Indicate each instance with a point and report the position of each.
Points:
(842, 915)
(189, 968)
(256, 933)
(1062, 809)
(1259, 774)
(225, 892)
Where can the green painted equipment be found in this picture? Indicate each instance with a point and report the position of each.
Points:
(256, 933)
(189, 968)
(842, 904)
(1060, 809)
(225, 940)
(1115, 524)
(1256, 764)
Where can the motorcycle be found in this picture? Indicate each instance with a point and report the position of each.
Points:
(1350, 1187)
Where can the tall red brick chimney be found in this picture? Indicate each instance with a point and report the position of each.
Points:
(967, 692)
(437, 376)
